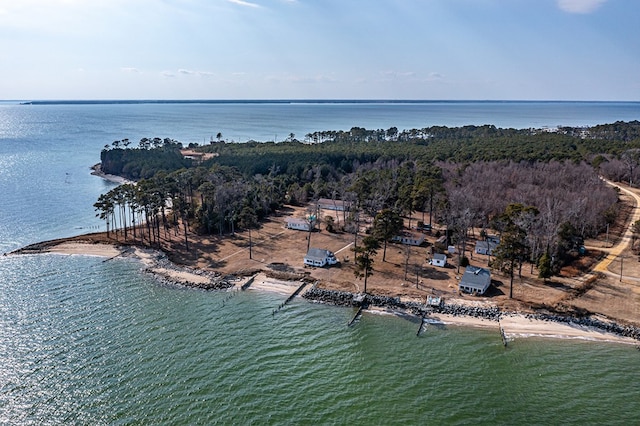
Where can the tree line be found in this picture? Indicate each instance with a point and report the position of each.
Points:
(466, 179)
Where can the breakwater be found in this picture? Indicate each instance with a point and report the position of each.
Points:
(606, 326)
(342, 298)
(492, 313)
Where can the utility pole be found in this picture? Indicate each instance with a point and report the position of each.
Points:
(621, 262)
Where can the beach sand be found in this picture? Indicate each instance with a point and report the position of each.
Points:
(77, 248)
(264, 283)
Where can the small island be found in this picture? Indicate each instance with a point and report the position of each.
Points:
(491, 222)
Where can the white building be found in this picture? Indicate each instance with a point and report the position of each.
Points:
(439, 259)
(320, 257)
(475, 280)
(337, 205)
(410, 238)
(298, 224)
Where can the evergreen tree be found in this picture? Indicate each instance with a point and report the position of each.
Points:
(386, 225)
(364, 258)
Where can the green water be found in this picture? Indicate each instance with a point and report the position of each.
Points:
(91, 342)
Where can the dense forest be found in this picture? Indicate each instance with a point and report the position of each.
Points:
(537, 187)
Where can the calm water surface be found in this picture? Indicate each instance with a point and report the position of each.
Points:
(84, 341)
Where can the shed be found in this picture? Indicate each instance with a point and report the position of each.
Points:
(319, 257)
(475, 280)
(439, 259)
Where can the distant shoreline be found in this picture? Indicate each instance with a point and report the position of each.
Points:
(305, 101)
(96, 170)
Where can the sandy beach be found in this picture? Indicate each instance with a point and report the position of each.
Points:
(263, 283)
(97, 171)
(76, 248)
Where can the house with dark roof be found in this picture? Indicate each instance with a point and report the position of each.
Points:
(320, 257)
(475, 280)
(486, 247)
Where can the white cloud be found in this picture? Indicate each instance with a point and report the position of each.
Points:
(131, 70)
(197, 73)
(244, 3)
(580, 6)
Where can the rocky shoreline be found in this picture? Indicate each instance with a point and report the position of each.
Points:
(171, 274)
(342, 298)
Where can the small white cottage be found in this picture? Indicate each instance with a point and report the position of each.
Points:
(337, 205)
(297, 223)
(439, 259)
(410, 238)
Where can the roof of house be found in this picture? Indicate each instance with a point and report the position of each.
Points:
(440, 256)
(330, 202)
(487, 244)
(405, 234)
(317, 254)
(477, 278)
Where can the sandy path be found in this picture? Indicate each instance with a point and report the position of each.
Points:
(626, 238)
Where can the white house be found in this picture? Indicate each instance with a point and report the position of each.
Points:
(485, 247)
(409, 238)
(439, 259)
(320, 257)
(298, 223)
(475, 280)
(337, 205)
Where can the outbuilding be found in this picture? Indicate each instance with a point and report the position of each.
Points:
(320, 257)
(475, 280)
(439, 259)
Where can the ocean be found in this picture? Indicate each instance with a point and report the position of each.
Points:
(83, 341)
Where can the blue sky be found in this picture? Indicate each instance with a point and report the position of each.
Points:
(327, 49)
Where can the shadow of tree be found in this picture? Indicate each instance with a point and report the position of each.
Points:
(434, 274)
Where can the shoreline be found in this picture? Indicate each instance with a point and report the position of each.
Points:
(514, 325)
(96, 170)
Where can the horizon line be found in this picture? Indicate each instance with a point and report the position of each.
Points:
(291, 101)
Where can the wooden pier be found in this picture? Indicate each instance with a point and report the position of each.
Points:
(290, 298)
(248, 283)
(363, 305)
(504, 338)
(422, 325)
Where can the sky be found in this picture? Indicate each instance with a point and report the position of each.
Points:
(320, 49)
